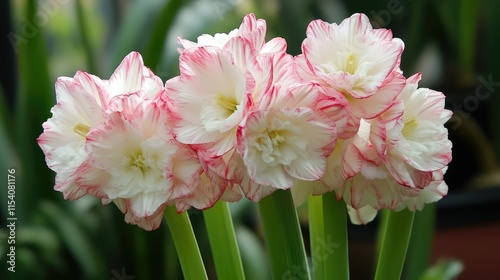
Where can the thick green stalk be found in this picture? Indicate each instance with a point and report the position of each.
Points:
(223, 243)
(328, 229)
(419, 251)
(186, 244)
(284, 242)
(383, 215)
(394, 245)
(335, 242)
(316, 233)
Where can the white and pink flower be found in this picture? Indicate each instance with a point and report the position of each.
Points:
(78, 109)
(82, 103)
(210, 98)
(246, 118)
(417, 142)
(351, 57)
(133, 157)
(288, 138)
(398, 159)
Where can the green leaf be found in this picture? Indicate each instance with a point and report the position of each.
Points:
(79, 245)
(460, 19)
(133, 30)
(414, 40)
(491, 22)
(35, 99)
(8, 160)
(84, 37)
(294, 17)
(154, 48)
(45, 242)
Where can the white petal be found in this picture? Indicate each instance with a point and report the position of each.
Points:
(361, 216)
(127, 77)
(146, 204)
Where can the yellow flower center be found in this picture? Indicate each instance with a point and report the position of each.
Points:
(276, 137)
(226, 103)
(350, 65)
(81, 129)
(410, 125)
(137, 161)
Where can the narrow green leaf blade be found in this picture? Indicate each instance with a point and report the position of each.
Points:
(34, 102)
(78, 244)
(153, 51)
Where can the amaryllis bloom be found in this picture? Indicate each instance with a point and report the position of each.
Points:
(288, 138)
(82, 103)
(78, 109)
(209, 99)
(396, 156)
(132, 156)
(351, 57)
(267, 63)
(368, 181)
(416, 143)
(278, 145)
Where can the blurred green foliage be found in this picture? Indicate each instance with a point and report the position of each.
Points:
(57, 239)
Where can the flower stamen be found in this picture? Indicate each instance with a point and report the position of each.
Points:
(229, 104)
(350, 66)
(276, 137)
(137, 162)
(81, 129)
(410, 125)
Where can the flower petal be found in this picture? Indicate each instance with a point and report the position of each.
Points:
(363, 215)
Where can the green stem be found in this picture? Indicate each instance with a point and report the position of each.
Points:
(317, 235)
(420, 248)
(383, 215)
(335, 240)
(186, 244)
(223, 243)
(284, 242)
(394, 245)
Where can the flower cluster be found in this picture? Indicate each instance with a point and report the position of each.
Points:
(246, 118)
